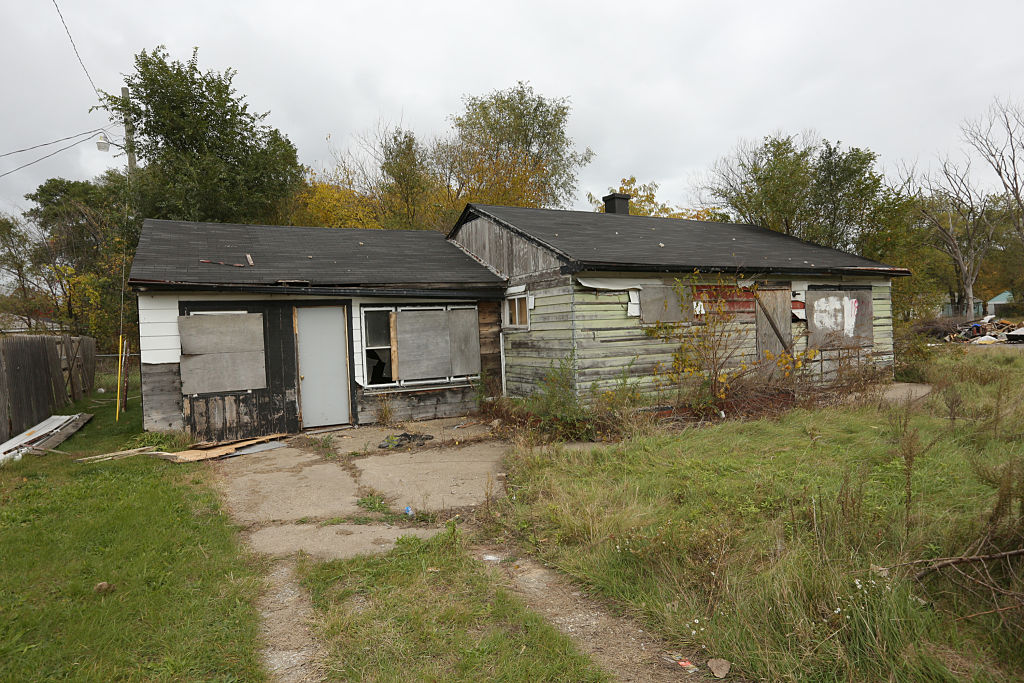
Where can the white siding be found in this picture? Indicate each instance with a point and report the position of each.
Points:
(158, 328)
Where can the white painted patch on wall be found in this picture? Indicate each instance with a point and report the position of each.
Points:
(837, 314)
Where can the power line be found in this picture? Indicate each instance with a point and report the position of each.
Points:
(47, 156)
(54, 142)
(75, 48)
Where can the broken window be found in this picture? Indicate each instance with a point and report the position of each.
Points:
(425, 344)
(377, 326)
(517, 312)
(222, 352)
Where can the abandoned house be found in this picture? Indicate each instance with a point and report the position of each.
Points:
(252, 330)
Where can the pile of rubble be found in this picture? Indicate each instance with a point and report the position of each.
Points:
(988, 330)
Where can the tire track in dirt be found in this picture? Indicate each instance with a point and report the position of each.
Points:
(291, 653)
(615, 643)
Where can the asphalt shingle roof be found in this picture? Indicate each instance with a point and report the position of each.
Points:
(174, 251)
(609, 241)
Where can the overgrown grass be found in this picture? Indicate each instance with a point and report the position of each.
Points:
(427, 611)
(756, 539)
(180, 607)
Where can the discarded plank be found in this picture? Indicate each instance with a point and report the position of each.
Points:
(196, 455)
(63, 434)
(116, 454)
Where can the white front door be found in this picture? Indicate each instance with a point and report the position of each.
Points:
(323, 365)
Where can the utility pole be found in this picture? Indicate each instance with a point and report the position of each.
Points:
(129, 133)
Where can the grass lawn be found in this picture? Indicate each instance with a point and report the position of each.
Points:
(181, 607)
(427, 611)
(756, 539)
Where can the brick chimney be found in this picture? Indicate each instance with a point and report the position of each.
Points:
(616, 202)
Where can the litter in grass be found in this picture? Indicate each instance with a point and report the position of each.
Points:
(44, 436)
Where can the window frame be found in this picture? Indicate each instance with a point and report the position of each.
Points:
(398, 308)
(506, 321)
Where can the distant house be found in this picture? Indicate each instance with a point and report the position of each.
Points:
(992, 305)
(249, 330)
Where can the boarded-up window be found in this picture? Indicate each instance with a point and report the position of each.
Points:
(222, 353)
(661, 303)
(424, 345)
(464, 333)
(839, 318)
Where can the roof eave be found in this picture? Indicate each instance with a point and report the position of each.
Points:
(456, 291)
(887, 271)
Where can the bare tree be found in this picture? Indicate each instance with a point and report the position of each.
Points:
(998, 137)
(961, 217)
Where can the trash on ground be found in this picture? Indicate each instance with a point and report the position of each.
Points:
(257, 448)
(44, 436)
(719, 667)
(987, 330)
(104, 587)
(405, 439)
(212, 453)
(677, 658)
(409, 512)
(118, 455)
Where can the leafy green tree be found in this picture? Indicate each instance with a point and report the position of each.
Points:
(509, 147)
(207, 157)
(811, 189)
(514, 148)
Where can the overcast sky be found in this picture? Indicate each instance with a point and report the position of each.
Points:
(658, 90)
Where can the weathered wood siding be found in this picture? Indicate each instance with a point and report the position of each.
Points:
(422, 404)
(610, 344)
(530, 354)
(502, 250)
(489, 318)
(161, 397)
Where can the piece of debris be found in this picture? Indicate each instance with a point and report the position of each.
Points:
(405, 439)
(1015, 337)
(678, 658)
(198, 454)
(984, 339)
(104, 587)
(49, 433)
(409, 512)
(221, 263)
(257, 448)
(719, 667)
(492, 558)
(118, 455)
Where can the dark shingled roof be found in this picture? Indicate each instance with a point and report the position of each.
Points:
(173, 251)
(602, 241)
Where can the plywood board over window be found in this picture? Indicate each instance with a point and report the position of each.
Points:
(839, 318)
(464, 333)
(221, 353)
(424, 344)
(661, 303)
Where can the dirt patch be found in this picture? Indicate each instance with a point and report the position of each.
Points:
(291, 653)
(615, 643)
(286, 484)
(332, 541)
(436, 479)
(901, 392)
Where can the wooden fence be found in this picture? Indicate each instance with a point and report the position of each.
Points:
(40, 375)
